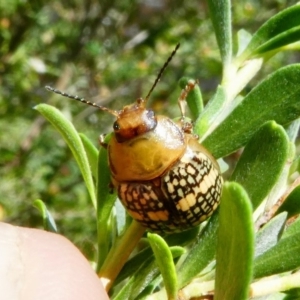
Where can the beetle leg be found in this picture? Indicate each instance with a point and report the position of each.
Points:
(186, 126)
(184, 93)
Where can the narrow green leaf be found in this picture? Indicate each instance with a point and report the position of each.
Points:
(276, 98)
(92, 154)
(143, 281)
(177, 251)
(121, 217)
(292, 203)
(244, 38)
(72, 138)
(276, 32)
(164, 260)
(292, 130)
(210, 111)
(201, 254)
(291, 294)
(105, 202)
(269, 235)
(143, 276)
(220, 13)
(147, 279)
(125, 292)
(235, 245)
(133, 264)
(149, 289)
(262, 162)
(285, 38)
(194, 98)
(283, 257)
(49, 223)
(292, 229)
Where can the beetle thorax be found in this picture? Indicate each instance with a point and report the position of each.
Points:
(134, 120)
(147, 155)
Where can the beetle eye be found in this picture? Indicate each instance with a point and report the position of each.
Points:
(116, 126)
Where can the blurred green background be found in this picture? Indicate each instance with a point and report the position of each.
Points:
(108, 52)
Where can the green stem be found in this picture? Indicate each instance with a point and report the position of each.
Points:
(119, 254)
(277, 284)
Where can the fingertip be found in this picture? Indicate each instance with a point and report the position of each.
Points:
(44, 265)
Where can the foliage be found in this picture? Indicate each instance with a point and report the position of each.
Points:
(230, 251)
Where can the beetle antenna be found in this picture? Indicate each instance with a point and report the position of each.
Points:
(51, 89)
(162, 70)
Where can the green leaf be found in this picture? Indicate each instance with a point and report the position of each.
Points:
(177, 251)
(121, 217)
(235, 245)
(210, 111)
(220, 14)
(92, 154)
(285, 38)
(149, 289)
(292, 294)
(280, 30)
(262, 162)
(143, 277)
(201, 254)
(125, 292)
(292, 130)
(49, 223)
(292, 229)
(194, 98)
(243, 40)
(181, 238)
(147, 279)
(72, 138)
(269, 235)
(292, 203)
(143, 281)
(165, 263)
(134, 263)
(105, 202)
(276, 98)
(283, 257)
(141, 284)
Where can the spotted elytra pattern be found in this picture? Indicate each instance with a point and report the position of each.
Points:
(184, 197)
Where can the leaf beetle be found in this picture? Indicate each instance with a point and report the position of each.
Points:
(164, 177)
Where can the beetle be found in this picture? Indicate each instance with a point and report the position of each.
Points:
(164, 177)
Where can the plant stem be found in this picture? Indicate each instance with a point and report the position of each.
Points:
(119, 254)
(196, 289)
(277, 284)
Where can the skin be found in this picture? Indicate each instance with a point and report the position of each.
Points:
(36, 264)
